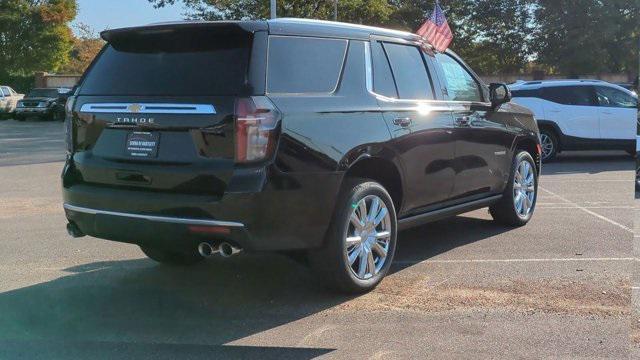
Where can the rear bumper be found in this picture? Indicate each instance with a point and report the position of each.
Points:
(150, 229)
(277, 211)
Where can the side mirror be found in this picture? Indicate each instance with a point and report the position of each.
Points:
(500, 94)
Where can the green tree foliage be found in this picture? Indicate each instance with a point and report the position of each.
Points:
(587, 36)
(34, 35)
(494, 36)
(85, 48)
(358, 11)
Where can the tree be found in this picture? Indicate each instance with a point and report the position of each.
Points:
(493, 36)
(34, 35)
(587, 36)
(357, 11)
(85, 48)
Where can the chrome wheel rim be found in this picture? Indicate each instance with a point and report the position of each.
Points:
(524, 189)
(547, 145)
(368, 237)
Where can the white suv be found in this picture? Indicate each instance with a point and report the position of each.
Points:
(580, 114)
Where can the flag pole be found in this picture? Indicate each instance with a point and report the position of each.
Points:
(273, 9)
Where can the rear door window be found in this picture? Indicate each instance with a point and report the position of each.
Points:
(304, 65)
(176, 63)
(409, 71)
(383, 83)
(570, 95)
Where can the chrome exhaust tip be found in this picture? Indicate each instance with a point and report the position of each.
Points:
(228, 250)
(207, 250)
(74, 231)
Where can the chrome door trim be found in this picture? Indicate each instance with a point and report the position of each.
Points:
(163, 219)
(149, 108)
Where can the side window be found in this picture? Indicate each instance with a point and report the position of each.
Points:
(5, 91)
(460, 85)
(610, 97)
(570, 95)
(534, 93)
(304, 65)
(383, 83)
(409, 71)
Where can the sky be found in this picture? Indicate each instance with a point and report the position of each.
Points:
(110, 14)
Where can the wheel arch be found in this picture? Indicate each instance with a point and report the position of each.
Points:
(531, 146)
(552, 126)
(381, 170)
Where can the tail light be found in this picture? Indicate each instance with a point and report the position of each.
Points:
(68, 123)
(256, 128)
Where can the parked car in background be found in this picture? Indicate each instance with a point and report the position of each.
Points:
(45, 103)
(580, 115)
(297, 136)
(8, 99)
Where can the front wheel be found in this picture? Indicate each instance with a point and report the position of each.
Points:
(57, 116)
(519, 198)
(361, 240)
(172, 257)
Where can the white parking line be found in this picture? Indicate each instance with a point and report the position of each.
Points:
(586, 207)
(587, 210)
(465, 261)
(588, 181)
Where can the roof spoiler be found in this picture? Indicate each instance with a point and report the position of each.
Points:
(114, 35)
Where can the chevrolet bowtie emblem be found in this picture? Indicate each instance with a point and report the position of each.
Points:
(134, 108)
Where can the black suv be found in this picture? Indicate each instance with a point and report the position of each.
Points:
(297, 136)
(45, 103)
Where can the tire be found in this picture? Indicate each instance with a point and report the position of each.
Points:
(168, 257)
(508, 211)
(550, 146)
(332, 261)
(57, 116)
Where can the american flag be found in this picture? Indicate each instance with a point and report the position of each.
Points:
(436, 30)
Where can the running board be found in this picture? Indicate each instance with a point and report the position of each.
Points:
(440, 214)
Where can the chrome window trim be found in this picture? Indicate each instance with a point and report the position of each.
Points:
(149, 108)
(440, 105)
(163, 219)
(434, 105)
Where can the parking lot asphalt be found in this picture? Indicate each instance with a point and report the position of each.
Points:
(465, 287)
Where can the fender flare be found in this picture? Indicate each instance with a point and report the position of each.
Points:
(556, 129)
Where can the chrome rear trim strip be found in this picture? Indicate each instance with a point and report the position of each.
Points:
(148, 108)
(164, 219)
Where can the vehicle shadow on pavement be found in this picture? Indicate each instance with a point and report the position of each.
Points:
(574, 163)
(136, 308)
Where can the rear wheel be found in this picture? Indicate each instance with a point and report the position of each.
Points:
(549, 145)
(172, 257)
(519, 198)
(361, 240)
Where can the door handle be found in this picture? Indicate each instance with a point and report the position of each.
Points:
(403, 122)
(463, 121)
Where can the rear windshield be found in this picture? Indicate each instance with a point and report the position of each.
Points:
(178, 63)
(51, 93)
